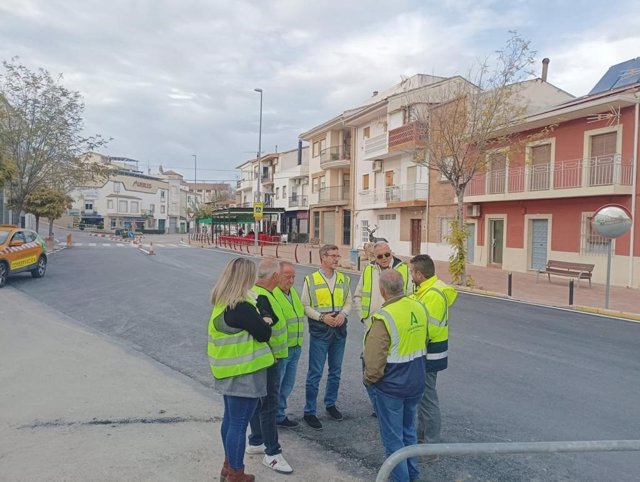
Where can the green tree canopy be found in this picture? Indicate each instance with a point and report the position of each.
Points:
(47, 203)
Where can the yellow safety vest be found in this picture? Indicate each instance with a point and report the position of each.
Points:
(236, 353)
(278, 340)
(367, 283)
(322, 298)
(437, 296)
(406, 321)
(293, 313)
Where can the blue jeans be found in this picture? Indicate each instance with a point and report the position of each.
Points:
(237, 413)
(263, 422)
(287, 375)
(397, 422)
(320, 350)
(429, 420)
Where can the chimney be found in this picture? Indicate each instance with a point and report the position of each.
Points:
(545, 68)
(375, 92)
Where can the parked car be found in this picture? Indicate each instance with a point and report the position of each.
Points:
(21, 250)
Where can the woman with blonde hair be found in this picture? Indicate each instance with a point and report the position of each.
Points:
(238, 356)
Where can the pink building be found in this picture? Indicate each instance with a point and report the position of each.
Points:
(537, 197)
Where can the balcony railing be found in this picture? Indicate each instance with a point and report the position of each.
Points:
(408, 136)
(594, 172)
(376, 146)
(406, 193)
(266, 177)
(333, 194)
(298, 201)
(335, 153)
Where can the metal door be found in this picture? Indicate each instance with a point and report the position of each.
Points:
(496, 240)
(539, 231)
(471, 242)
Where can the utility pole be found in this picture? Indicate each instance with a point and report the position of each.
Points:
(259, 155)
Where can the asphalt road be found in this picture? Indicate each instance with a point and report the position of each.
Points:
(517, 372)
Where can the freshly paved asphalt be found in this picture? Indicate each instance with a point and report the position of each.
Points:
(517, 372)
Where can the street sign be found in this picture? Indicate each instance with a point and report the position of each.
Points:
(258, 211)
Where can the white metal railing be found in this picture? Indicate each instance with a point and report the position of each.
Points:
(376, 146)
(407, 192)
(564, 174)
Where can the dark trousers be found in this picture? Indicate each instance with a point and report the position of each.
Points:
(263, 423)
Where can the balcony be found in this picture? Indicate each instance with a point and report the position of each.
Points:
(266, 178)
(376, 147)
(245, 184)
(406, 195)
(335, 195)
(597, 176)
(335, 157)
(396, 196)
(407, 137)
(298, 201)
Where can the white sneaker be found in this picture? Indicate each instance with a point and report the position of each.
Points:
(255, 449)
(277, 463)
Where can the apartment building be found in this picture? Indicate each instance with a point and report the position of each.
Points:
(291, 192)
(536, 202)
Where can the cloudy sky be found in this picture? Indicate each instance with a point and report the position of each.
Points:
(167, 79)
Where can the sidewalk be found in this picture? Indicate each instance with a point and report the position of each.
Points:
(77, 406)
(623, 302)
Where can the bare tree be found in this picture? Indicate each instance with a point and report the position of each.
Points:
(467, 121)
(41, 133)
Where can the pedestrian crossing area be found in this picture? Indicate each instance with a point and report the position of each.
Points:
(127, 245)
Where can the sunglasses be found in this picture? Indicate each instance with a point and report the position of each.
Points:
(385, 255)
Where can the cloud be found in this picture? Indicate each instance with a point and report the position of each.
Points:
(170, 79)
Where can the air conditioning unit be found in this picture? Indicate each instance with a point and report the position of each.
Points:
(473, 210)
(377, 165)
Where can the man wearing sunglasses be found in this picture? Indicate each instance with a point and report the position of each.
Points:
(367, 297)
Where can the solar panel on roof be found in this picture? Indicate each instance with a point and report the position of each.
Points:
(619, 75)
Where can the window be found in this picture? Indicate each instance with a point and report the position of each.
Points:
(277, 193)
(365, 182)
(388, 178)
(540, 167)
(446, 167)
(314, 184)
(592, 241)
(135, 206)
(284, 192)
(152, 208)
(30, 236)
(316, 149)
(123, 206)
(445, 229)
(603, 157)
(88, 206)
(364, 230)
(109, 203)
(161, 209)
(162, 194)
(497, 174)
(386, 217)
(316, 225)
(113, 223)
(346, 227)
(366, 132)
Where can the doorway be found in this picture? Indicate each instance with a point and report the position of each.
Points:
(416, 236)
(471, 242)
(539, 231)
(496, 240)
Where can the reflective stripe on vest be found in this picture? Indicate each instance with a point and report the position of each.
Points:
(406, 322)
(237, 353)
(294, 314)
(322, 298)
(438, 329)
(367, 284)
(278, 340)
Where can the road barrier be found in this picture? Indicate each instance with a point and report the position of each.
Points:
(503, 448)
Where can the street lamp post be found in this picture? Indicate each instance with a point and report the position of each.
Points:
(258, 197)
(195, 192)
